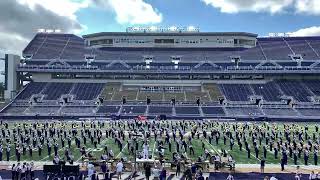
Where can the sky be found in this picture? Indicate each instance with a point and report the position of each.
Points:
(21, 19)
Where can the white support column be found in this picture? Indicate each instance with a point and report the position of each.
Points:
(11, 76)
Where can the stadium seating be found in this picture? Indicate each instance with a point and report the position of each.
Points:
(244, 111)
(275, 48)
(157, 110)
(208, 110)
(86, 110)
(54, 90)
(309, 111)
(178, 96)
(54, 51)
(268, 91)
(213, 90)
(279, 112)
(14, 110)
(193, 95)
(236, 92)
(105, 109)
(109, 90)
(133, 109)
(303, 48)
(295, 89)
(154, 96)
(31, 89)
(187, 110)
(313, 85)
(44, 110)
(87, 91)
(130, 95)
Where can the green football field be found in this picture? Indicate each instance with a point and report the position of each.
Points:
(239, 156)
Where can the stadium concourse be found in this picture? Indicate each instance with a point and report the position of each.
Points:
(169, 105)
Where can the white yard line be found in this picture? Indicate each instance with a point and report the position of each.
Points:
(121, 150)
(212, 146)
(154, 146)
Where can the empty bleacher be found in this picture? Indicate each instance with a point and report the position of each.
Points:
(178, 96)
(133, 110)
(105, 109)
(154, 95)
(295, 89)
(109, 90)
(55, 90)
(86, 110)
(236, 92)
(244, 111)
(31, 89)
(213, 90)
(187, 110)
(279, 112)
(87, 91)
(130, 95)
(193, 95)
(275, 48)
(210, 110)
(268, 91)
(157, 110)
(44, 110)
(309, 111)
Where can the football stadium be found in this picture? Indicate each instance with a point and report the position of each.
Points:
(162, 103)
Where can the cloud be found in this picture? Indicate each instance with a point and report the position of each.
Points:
(66, 8)
(235, 6)
(310, 31)
(131, 11)
(20, 20)
(311, 7)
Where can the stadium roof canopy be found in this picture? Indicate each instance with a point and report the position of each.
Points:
(170, 34)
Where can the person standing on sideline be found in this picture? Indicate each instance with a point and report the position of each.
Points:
(262, 164)
(119, 168)
(178, 171)
(282, 162)
(147, 171)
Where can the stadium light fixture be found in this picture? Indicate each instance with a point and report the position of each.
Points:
(173, 28)
(41, 30)
(153, 28)
(49, 30)
(191, 28)
(57, 30)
